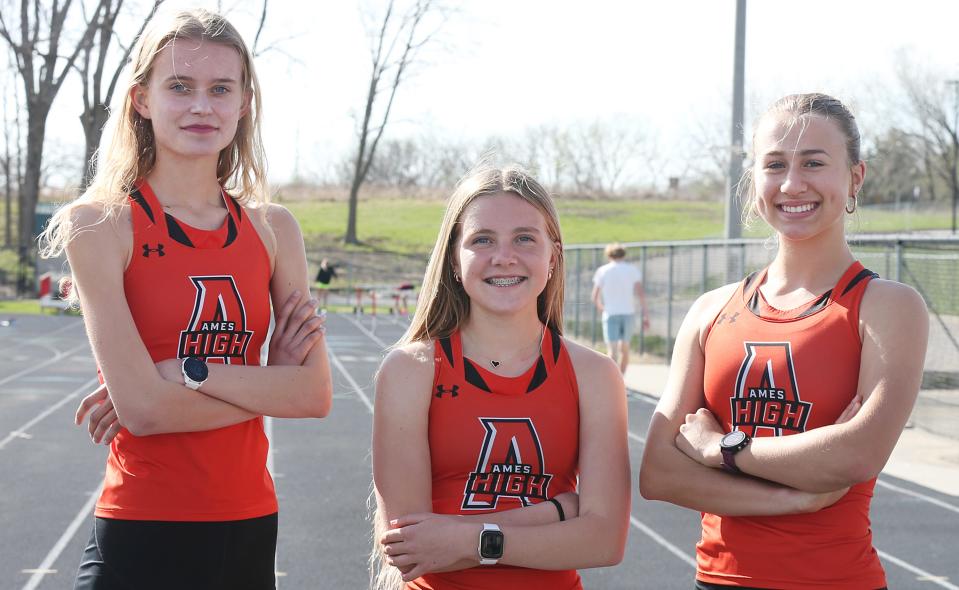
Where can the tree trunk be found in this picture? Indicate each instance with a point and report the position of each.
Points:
(92, 123)
(30, 191)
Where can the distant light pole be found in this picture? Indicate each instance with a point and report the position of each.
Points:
(733, 227)
(955, 147)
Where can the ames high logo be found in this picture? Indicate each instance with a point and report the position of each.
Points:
(510, 465)
(767, 395)
(217, 328)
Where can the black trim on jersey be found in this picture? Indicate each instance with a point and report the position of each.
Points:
(753, 304)
(864, 273)
(447, 347)
(554, 337)
(473, 377)
(539, 377)
(139, 198)
(817, 304)
(231, 232)
(749, 280)
(176, 232)
(236, 207)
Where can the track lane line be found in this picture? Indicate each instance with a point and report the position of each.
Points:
(50, 361)
(45, 566)
(21, 431)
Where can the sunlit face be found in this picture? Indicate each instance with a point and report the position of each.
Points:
(504, 254)
(194, 98)
(802, 176)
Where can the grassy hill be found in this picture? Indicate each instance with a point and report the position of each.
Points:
(410, 226)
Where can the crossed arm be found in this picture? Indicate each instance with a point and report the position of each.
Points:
(420, 542)
(799, 473)
(148, 398)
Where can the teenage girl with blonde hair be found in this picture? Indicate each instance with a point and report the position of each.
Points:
(176, 255)
(787, 391)
(500, 456)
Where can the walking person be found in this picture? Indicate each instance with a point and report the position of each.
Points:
(616, 285)
(500, 456)
(788, 391)
(324, 275)
(176, 255)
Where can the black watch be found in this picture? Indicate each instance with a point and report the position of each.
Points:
(195, 372)
(491, 543)
(730, 444)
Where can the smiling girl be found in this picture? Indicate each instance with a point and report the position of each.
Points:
(788, 391)
(176, 276)
(486, 416)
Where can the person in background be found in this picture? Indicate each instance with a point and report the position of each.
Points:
(616, 285)
(788, 390)
(325, 274)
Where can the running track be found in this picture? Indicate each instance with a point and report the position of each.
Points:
(51, 472)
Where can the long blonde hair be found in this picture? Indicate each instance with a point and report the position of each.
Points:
(131, 153)
(443, 306)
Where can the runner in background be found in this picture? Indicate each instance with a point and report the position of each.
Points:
(325, 274)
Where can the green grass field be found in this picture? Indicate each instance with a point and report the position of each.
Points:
(410, 226)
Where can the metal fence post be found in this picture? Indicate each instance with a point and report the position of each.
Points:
(642, 270)
(669, 307)
(899, 261)
(595, 321)
(579, 300)
(705, 268)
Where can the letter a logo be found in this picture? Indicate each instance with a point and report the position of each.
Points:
(217, 329)
(767, 395)
(510, 465)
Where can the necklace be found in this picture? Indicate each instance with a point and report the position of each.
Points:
(534, 349)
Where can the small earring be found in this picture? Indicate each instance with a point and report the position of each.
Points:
(851, 210)
(550, 274)
(456, 277)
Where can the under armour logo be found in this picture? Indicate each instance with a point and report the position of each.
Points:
(723, 317)
(147, 249)
(453, 391)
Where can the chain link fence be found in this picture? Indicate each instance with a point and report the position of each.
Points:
(676, 273)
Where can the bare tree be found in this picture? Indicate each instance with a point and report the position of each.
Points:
(396, 46)
(935, 104)
(93, 68)
(39, 46)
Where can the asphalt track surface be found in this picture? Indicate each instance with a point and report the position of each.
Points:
(50, 473)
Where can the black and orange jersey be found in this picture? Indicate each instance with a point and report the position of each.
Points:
(775, 373)
(498, 443)
(205, 294)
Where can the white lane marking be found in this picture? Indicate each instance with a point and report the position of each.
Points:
(43, 364)
(662, 541)
(356, 386)
(921, 496)
(22, 431)
(21, 343)
(921, 574)
(636, 437)
(45, 567)
(363, 329)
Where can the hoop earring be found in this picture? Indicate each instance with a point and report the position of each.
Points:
(549, 275)
(853, 209)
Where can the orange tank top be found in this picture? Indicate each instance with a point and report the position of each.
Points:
(498, 443)
(776, 373)
(194, 293)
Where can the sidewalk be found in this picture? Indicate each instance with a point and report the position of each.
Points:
(921, 456)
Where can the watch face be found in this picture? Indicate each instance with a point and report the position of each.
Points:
(491, 545)
(196, 369)
(733, 439)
